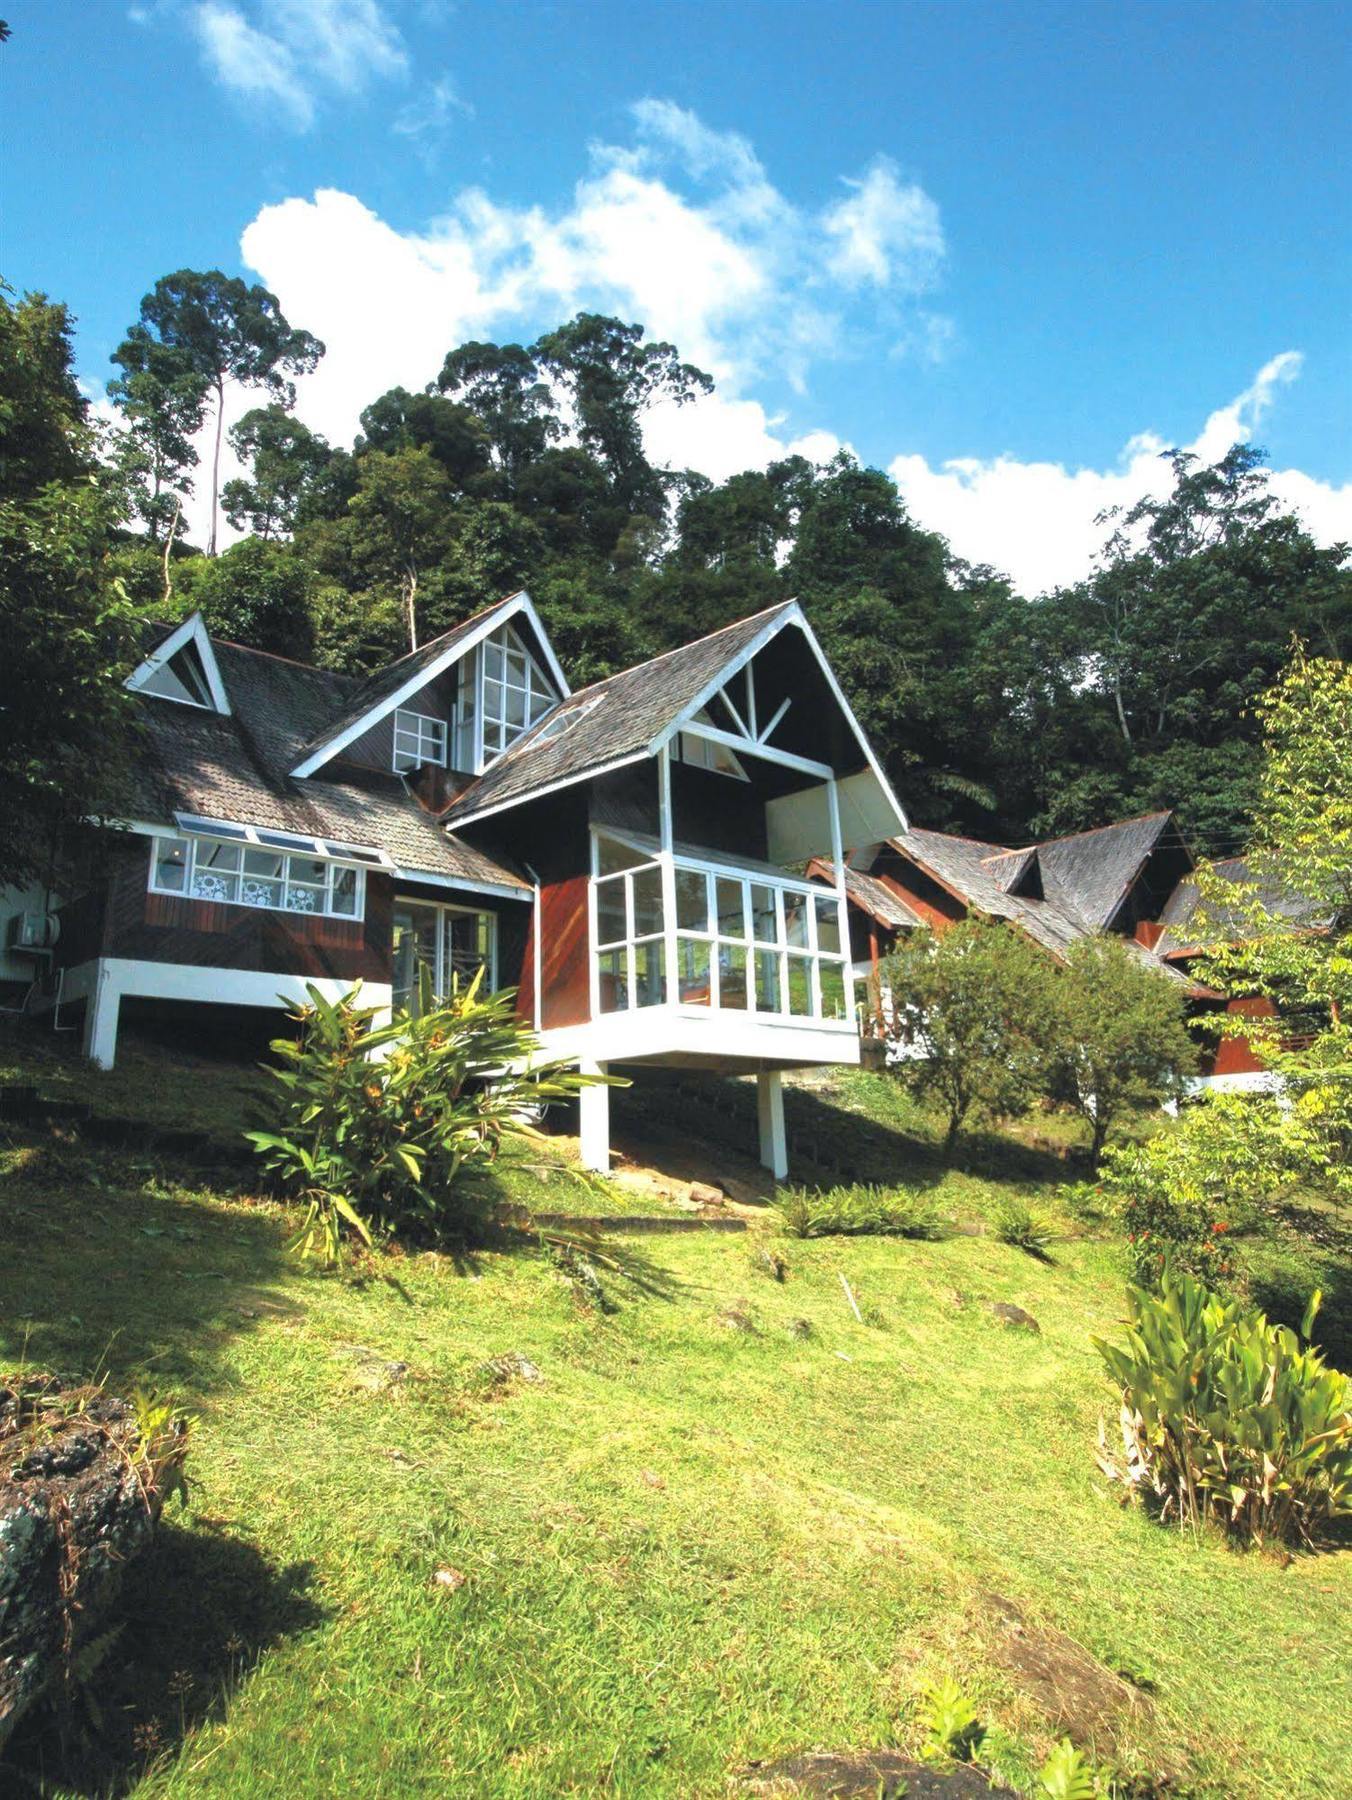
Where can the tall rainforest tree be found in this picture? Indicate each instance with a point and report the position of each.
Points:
(286, 460)
(199, 330)
(67, 628)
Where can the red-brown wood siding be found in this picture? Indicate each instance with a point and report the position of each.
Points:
(565, 972)
(127, 920)
(1236, 1056)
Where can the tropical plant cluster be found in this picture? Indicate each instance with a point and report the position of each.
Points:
(1226, 1417)
(391, 1127)
(858, 1210)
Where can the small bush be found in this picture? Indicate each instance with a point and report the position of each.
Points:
(953, 1729)
(1224, 1416)
(857, 1211)
(1086, 1201)
(1165, 1216)
(1016, 1223)
(1068, 1774)
(387, 1127)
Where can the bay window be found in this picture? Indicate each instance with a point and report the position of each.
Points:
(242, 873)
(742, 942)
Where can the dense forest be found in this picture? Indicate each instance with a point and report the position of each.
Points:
(999, 714)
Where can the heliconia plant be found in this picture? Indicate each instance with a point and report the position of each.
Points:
(1227, 1417)
(390, 1126)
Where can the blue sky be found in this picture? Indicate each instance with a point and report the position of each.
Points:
(1006, 251)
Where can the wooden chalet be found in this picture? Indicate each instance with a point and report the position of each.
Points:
(623, 856)
(1134, 879)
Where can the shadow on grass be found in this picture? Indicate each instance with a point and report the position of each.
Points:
(198, 1611)
(107, 1268)
(1315, 1252)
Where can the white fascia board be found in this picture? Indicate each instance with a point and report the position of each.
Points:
(506, 610)
(792, 614)
(492, 890)
(549, 787)
(229, 987)
(655, 1033)
(191, 630)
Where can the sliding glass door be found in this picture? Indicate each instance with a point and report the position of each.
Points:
(451, 942)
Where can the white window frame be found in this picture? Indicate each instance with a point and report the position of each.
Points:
(812, 955)
(198, 847)
(539, 696)
(426, 740)
(446, 911)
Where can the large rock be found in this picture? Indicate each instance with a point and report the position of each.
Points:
(80, 1495)
(864, 1775)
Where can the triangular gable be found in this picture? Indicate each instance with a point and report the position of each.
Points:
(868, 808)
(183, 668)
(394, 685)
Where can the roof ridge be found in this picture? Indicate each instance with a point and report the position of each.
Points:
(679, 649)
(1162, 812)
(292, 661)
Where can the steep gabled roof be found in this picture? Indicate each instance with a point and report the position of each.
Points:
(964, 867)
(875, 898)
(612, 722)
(380, 693)
(236, 768)
(1093, 871)
(1181, 937)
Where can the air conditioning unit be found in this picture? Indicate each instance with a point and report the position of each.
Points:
(32, 931)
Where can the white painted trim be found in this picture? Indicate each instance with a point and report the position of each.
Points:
(755, 747)
(667, 860)
(654, 1032)
(192, 630)
(593, 1104)
(791, 614)
(500, 614)
(106, 981)
(492, 890)
(774, 1148)
(551, 787)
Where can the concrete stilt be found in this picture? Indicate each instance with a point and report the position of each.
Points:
(594, 1122)
(100, 1022)
(774, 1150)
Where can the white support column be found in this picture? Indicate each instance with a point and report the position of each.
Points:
(667, 830)
(594, 1121)
(100, 1021)
(842, 906)
(774, 1152)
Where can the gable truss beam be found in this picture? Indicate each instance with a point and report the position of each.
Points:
(758, 747)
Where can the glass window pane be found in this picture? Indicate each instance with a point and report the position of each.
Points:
(692, 900)
(171, 864)
(468, 937)
(732, 977)
(307, 869)
(795, 919)
(800, 986)
(833, 990)
(764, 921)
(263, 862)
(539, 705)
(611, 855)
(647, 901)
(493, 699)
(731, 915)
(828, 924)
(493, 660)
(301, 898)
(612, 924)
(692, 956)
(650, 983)
(516, 667)
(217, 856)
(516, 707)
(767, 981)
(614, 980)
(343, 892)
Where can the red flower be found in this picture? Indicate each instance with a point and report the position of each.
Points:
(1220, 1225)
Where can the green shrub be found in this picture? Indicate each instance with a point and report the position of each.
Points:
(1167, 1213)
(1016, 1223)
(1068, 1774)
(953, 1729)
(391, 1127)
(857, 1211)
(1224, 1416)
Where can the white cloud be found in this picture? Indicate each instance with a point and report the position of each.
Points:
(428, 116)
(293, 52)
(886, 235)
(1035, 520)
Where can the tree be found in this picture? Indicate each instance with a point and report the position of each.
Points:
(612, 377)
(162, 411)
(400, 519)
(457, 438)
(254, 593)
(970, 1015)
(199, 330)
(286, 459)
(66, 627)
(1123, 1036)
(501, 385)
(43, 416)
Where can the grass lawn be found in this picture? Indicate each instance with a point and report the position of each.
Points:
(689, 1545)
